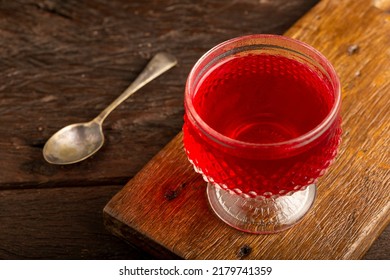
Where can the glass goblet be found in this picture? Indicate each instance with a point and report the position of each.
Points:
(262, 124)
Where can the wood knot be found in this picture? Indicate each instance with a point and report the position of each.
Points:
(173, 193)
(170, 194)
(244, 251)
(352, 49)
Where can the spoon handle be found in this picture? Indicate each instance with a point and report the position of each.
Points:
(160, 63)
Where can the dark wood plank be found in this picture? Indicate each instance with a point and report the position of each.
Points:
(66, 223)
(59, 223)
(380, 250)
(64, 61)
(353, 203)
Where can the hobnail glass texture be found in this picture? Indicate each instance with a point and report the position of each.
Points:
(262, 188)
(273, 179)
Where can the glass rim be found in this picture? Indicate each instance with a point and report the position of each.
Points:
(299, 141)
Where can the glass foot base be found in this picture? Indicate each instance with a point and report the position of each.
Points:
(260, 215)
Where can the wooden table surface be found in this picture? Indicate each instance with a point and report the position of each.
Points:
(62, 62)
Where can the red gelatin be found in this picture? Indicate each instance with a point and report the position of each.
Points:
(263, 104)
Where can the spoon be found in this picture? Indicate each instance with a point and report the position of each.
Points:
(79, 141)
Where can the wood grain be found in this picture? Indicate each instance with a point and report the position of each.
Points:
(166, 201)
(63, 62)
(59, 223)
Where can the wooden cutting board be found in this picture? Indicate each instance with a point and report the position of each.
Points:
(164, 210)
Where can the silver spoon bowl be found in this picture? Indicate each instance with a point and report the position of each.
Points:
(79, 141)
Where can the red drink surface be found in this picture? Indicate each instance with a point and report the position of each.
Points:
(262, 99)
